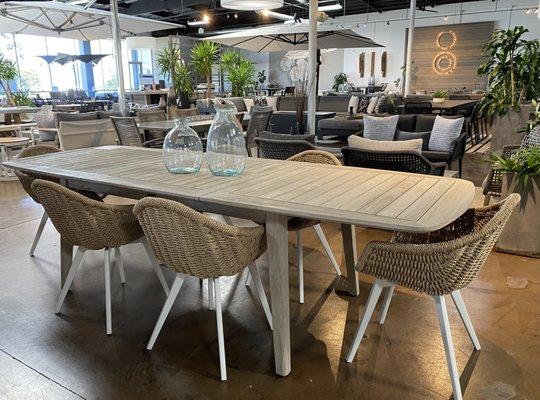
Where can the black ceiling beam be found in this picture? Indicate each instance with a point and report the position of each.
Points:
(150, 6)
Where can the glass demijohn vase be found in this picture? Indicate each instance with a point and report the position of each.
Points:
(182, 149)
(226, 145)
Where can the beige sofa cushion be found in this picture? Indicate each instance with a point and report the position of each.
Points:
(360, 143)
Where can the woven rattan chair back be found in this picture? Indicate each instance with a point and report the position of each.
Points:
(259, 121)
(532, 139)
(418, 107)
(316, 157)
(394, 161)
(26, 179)
(83, 134)
(192, 243)
(151, 115)
(127, 131)
(443, 261)
(85, 222)
(281, 149)
(459, 97)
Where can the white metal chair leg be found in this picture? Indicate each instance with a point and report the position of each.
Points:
(42, 223)
(211, 292)
(120, 265)
(462, 310)
(175, 288)
(77, 260)
(247, 281)
(300, 259)
(362, 326)
(444, 324)
(260, 292)
(327, 248)
(155, 264)
(108, 309)
(219, 323)
(386, 303)
(228, 220)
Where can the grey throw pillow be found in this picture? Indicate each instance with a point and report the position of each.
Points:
(380, 128)
(445, 131)
(402, 135)
(381, 105)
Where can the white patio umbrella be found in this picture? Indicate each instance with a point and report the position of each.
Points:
(54, 18)
(286, 37)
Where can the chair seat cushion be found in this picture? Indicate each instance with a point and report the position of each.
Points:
(380, 128)
(437, 156)
(360, 143)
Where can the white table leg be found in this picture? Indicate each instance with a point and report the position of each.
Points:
(3, 158)
(348, 235)
(278, 258)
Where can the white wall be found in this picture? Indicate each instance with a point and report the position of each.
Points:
(393, 36)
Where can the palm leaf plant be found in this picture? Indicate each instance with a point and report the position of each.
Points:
(203, 56)
(8, 72)
(240, 70)
(512, 69)
(525, 164)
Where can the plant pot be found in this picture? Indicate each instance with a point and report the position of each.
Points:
(438, 99)
(522, 232)
(184, 101)
(504, 131)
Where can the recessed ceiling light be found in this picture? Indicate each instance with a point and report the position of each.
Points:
(251, 5)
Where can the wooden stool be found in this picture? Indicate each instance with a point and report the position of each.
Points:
(6, 146)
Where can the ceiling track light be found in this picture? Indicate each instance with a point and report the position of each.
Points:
(330, 7)
(273, 14)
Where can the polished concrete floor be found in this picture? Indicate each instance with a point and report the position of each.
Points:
(69, 356)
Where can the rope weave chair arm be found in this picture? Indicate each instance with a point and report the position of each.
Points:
(316, 157)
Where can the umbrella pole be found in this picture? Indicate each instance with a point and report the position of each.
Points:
(115, 27)
(312, 67)
(410, 40)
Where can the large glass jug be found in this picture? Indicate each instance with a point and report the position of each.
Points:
(182, 148)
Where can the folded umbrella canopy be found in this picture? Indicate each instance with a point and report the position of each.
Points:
(286, 37)
(51, 18)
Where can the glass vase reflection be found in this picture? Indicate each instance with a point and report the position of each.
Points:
(226, 145)
(182, 149)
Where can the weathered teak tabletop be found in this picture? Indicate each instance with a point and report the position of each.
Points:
(270, 191)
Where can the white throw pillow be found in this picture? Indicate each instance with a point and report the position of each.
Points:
(249, 104)
(445, 131)
(380, 128)
(372, 105)
(271, 101)
(353, 102)
(360, 143)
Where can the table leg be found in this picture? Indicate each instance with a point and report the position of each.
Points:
(3, 158)
(278, 259)
(348, 235)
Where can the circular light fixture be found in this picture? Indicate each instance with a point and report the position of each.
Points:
(206, 18)
(444, 63)
(251, 5)
(141, 42)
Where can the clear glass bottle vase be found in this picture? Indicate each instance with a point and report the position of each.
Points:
(182, 149)
(226, 145)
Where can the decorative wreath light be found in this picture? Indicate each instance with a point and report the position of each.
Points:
(445, 56)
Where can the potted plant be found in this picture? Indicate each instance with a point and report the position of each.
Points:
(512, 69)
(203, 56)
(240, 71)
(521, 174)
(439, 96)
(340, 79)
(8, 72)
(183, 84)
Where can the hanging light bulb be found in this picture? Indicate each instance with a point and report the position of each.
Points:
(446, 17)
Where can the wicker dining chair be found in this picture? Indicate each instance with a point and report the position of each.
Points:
(93, 225)
(437, 263)
(394, 161)
(259, 122)
(175, 112)
(128, 133)
(26, 180)
(193, 244)
(152, 115)
(280, 146)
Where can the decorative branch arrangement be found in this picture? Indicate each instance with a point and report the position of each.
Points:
(384, 58)
(361, 64)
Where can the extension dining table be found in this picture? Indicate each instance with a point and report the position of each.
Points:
(268, 192)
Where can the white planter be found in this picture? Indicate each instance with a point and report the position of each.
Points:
(438, 99)
(521, 234)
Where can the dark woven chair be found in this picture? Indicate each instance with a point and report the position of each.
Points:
(459, 97)
(128, 133)
(393, 161)
(418, 107)
(258, 123)
(281, 147)
(152, 115)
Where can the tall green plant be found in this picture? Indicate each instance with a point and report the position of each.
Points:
(203, 56)
(240, 70)
(512, 69)
(8, 72)
(169, 60)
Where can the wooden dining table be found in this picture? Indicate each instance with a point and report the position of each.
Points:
(269, 192)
